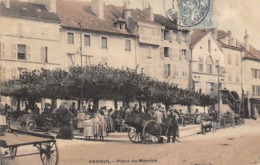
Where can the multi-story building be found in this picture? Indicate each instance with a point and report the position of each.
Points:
(29, 38)
(251, 79)
(48, 34)
(121, 36)
(233, 51)
(93, 28)
(208, 63)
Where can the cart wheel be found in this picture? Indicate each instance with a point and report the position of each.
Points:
(47, 127)
(49, 153)
(152, 131)
(30, 125)
(135, 135)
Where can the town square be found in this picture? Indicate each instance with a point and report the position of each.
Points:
(129, 82)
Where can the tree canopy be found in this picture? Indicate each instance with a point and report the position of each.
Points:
(99, 82)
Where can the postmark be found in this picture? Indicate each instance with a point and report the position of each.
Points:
(190, 14)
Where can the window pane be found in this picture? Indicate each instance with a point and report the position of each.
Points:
(127, 45)
(70, 38)
(87, 40)
(46, 54)
(21, 54)
(104, 42)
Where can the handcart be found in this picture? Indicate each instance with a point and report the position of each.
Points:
(143, 128)
(45, 144)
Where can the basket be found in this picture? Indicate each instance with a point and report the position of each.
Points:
(3, 130)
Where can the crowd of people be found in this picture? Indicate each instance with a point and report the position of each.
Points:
(92, 123)
(97, 124)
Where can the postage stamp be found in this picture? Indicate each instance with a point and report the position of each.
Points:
(191, 14)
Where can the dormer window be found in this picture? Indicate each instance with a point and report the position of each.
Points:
(120, 23)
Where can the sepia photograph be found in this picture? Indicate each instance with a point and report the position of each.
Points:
(125, 82)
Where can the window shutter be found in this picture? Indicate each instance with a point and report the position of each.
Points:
(161, 52)
(188, 54)
(14, 51)
(188, 38)
(166, 70)
(170, 53)
(179, 37)
(28, 53)
(42, 54)
(169, 69)
(180, 52)
(162, 35)
(2, 50)
(171, 35)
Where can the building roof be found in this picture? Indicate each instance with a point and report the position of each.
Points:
(164, 21)
(221, 34)
(252, 53)
(28, 10)
(73, 12)
(196, 36)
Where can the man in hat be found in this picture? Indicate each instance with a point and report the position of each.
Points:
(173, 126)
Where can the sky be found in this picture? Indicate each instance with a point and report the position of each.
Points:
(233, 15)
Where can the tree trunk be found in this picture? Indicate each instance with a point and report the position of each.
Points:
(53, 104)
(32, 102)
(116, 103)
(189, 108)
(148, 105)
(167, 106)
(95, 104)
(18, 104)
(79, 104)
(140, 105)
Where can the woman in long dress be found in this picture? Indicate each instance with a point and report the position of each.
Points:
(102, 127)
(81, 118)
(95, 121)
(66, 131)
(88, 128)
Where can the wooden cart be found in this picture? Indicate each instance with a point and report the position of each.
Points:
(143, 128)
(46, 145)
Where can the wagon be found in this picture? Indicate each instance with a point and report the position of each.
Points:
(30, 122)
(143, 128)
(208, 123)
(45, 144)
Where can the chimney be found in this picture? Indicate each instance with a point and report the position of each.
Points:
(50, 4)
(150, 13)
(246, 44)
(6, 3)
(97, 7)
(229, 34)
(127, 12)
